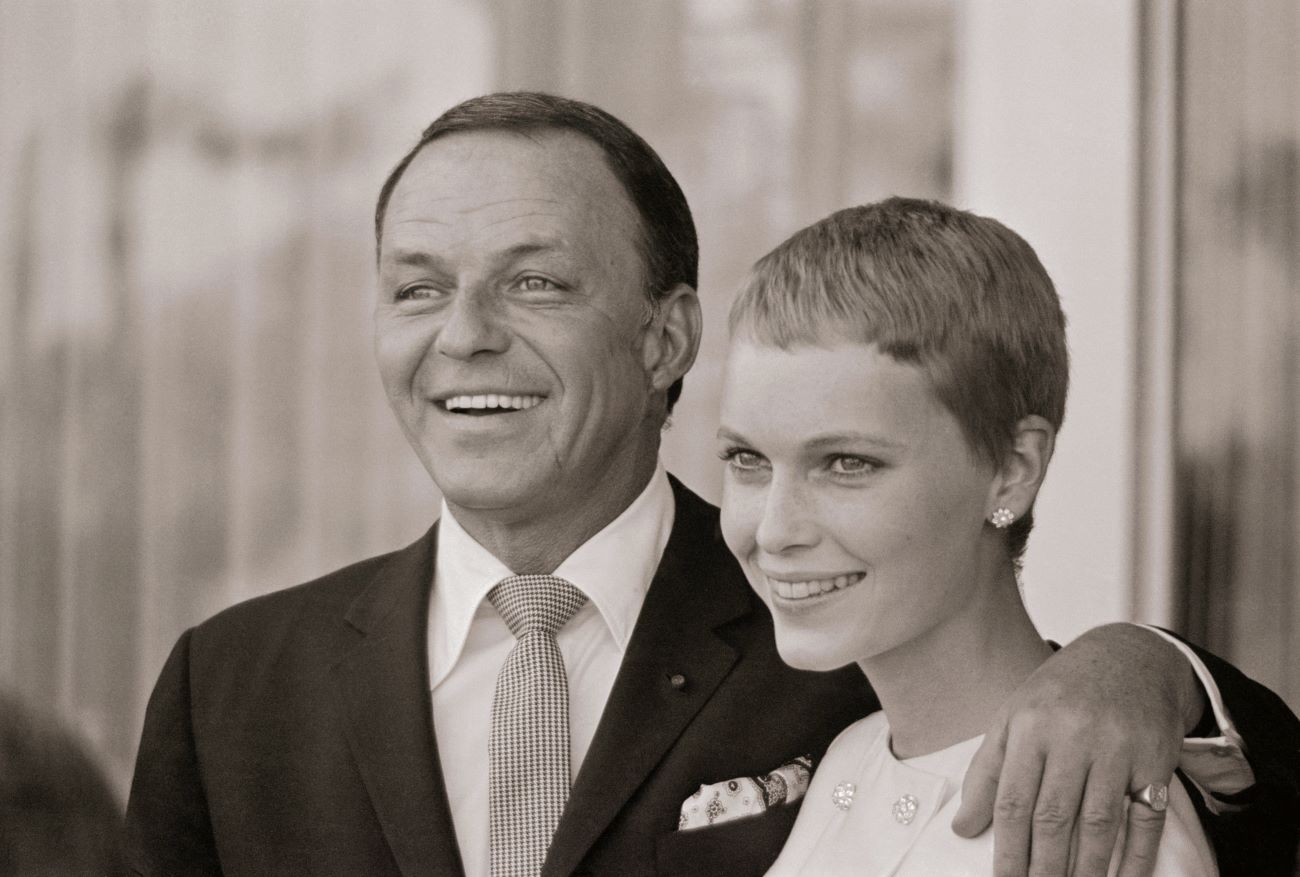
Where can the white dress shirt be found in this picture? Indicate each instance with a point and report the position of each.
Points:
(899, 820)
(1215, 765)
(468, 643)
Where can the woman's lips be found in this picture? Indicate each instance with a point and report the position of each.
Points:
(791, 588)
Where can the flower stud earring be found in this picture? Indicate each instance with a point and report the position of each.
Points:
(1002, 517)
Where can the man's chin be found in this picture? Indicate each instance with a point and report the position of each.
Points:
(490, 494)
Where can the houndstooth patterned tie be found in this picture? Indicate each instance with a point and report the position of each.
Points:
(528, 750)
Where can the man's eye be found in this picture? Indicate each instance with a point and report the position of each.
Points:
(533, 283)
(415, 292)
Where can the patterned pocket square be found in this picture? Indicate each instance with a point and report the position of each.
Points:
(745, 796)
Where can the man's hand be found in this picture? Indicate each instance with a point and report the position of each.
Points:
(1104, 716)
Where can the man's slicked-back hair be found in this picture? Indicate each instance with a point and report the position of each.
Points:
(961, 296)
(669, 246)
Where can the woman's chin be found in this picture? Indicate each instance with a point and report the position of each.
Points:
(809, 656)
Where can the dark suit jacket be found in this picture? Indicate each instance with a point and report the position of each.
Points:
(293, 734)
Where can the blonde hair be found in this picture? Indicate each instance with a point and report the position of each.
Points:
(961, 296)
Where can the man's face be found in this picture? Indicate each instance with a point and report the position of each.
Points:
(510, 328)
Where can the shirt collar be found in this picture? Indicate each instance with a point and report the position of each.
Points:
(613, 568)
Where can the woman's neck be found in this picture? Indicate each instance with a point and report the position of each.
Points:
(946, 685)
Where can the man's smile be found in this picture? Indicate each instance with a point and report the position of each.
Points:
(488, 403)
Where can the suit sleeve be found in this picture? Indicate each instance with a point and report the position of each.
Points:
(1258, 834)
(168, 829)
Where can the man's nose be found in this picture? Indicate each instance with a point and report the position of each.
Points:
(787, 522)
(473, 325)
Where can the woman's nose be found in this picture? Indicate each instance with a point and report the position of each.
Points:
(787, 521)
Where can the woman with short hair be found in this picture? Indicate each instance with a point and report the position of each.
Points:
(896, 379)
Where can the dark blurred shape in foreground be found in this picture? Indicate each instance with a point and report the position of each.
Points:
(57, 812)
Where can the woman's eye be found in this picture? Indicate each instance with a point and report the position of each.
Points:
(849, 465)
(745, 461)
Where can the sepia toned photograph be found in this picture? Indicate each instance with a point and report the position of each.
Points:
(649, 437)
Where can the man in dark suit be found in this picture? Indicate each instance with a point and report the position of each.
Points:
(537, 312)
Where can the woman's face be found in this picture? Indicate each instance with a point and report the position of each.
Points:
(851, 499)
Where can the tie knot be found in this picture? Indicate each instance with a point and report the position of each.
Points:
(536, 603)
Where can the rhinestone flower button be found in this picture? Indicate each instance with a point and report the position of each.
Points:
(842, 796)
(905, 809)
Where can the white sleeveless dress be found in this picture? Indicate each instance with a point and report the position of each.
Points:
(899, 816)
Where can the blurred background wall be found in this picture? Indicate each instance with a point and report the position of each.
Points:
(189, 414)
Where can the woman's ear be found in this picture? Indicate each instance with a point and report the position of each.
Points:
(1023, 467)
(672, 336)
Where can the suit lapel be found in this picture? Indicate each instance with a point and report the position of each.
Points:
(645, 714)
(383, 689)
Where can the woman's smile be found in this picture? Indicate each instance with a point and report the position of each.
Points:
(802, 587)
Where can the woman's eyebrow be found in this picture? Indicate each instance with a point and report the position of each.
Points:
(726, 434)
(832, 439)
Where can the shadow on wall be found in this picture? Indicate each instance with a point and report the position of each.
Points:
(57, 815)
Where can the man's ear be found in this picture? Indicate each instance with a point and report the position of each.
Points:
(1023, 467)
(672, 337)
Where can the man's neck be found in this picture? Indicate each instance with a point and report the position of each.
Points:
(537, 543)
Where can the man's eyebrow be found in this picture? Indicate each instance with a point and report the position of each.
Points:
(425, 259)
(530, 248)
(416, 259)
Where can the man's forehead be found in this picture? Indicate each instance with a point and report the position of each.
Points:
(502, 177)
(543, 167)
(417, 207)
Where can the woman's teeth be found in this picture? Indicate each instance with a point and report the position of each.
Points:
(813, 587)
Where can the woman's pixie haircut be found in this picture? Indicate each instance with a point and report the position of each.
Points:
(961, 296)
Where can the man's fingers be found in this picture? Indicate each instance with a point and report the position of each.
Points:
(1013, 810)
(980, 787)
(1142, 840)
(1100, 817)
(1055, 810)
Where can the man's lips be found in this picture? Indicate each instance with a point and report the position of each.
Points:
(488, 403)
(801, 586)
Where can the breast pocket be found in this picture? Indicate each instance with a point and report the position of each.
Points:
(741, 848)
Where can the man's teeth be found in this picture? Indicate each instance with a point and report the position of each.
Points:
(814, 587)
(492, 400)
